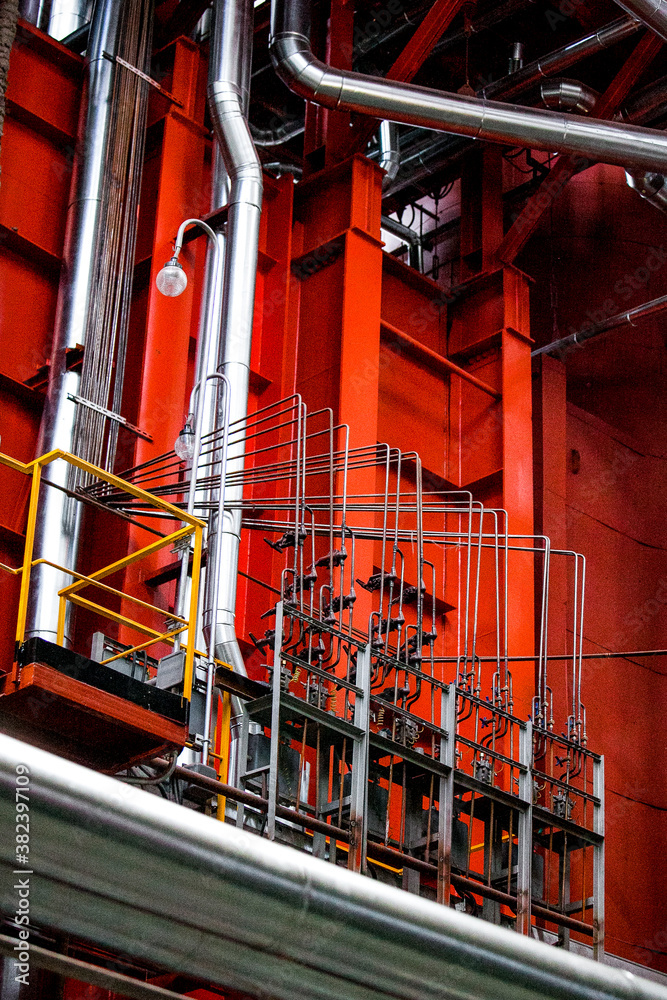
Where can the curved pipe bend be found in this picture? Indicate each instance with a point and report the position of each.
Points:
(477, 118)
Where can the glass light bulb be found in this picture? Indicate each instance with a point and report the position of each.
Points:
(172, 279)
(184, 445)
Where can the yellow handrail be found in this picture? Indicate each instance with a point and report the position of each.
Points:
(192, 526)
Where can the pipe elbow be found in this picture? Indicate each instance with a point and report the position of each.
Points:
(234, 137)
(305, 75)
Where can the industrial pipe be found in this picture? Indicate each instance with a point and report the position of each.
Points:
(145, 877)
(67, 16)
(228, 98)
(652, 308)
(421, 162)
(59, 516)
(649, 186)
(561, 59)
(298, 67)
(267, 137)
(390, 154)
(568, 95)
(653, 13)
(415, 250)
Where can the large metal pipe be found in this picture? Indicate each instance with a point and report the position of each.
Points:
(67, 16)
(568, 95)
(653, 13)
(298, 67)
(561, 59)
(145, 877)
(228, 97)
(422, 161)
(649, 186)
(58, 524)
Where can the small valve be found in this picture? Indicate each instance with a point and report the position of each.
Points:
(286, 541)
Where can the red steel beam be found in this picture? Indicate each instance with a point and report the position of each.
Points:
(411, 59)
(607, 104)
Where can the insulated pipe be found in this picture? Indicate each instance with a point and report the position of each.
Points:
(653, 13)
(565, 344)
(59, 517)
(67, 16)
(390, 153)
(415, 250)
(422, 162)
(646, 105)
(568, 95)
(144, 877)
(295, 63)
(267, 137)
(228, 94)
(561, 59)
(651, 187)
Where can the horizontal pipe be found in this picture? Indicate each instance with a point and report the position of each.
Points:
(85, 972)
(374, 852)
(561, 59)
(652, 308)
(477, 118)
(132, 872)
(436, 361)
(653, 13)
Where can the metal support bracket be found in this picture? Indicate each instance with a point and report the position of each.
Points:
(111, 416)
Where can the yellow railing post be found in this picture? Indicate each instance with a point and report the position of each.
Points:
(27, 552)
(194, 604)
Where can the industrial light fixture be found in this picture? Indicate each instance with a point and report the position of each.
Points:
(172, 279)
(184, 445)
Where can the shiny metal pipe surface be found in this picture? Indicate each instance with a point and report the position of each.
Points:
(390, 153)
(653, 13)
(568, 95)
(66, 16)
(416, 253)
(561, 59)
(145, 877)
(228, 97)
(588, 332)
(58, 524)
(477, 118)
(267, 137)
(650, 187)
(421, 162)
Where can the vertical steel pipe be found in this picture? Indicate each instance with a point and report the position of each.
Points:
(228, 95)
(58, 525)
(67, 16)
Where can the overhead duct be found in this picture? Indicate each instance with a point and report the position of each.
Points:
(67, 16)
(561, 59)
(267, 137)
(568, 95)
(228, 96)
(421, 162)
(150, 879)
(298, 67)
(651, 187)
(653, 13)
